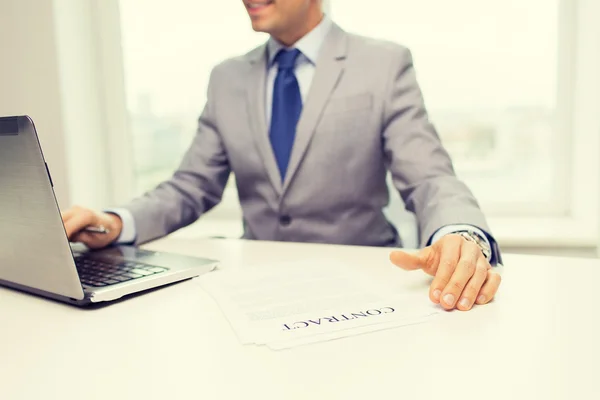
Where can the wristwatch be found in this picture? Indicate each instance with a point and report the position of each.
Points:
(479, 240)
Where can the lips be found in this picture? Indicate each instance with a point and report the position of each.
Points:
(255, 6)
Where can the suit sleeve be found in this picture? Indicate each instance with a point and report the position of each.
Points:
(421, 168)
(195, 188)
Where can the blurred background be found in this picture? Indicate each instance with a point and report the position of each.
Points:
(116, 86)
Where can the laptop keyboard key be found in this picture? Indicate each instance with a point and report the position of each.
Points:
(96, 273)
(141, 272)
(156, 270)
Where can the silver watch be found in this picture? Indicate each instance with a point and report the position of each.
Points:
(479, 240)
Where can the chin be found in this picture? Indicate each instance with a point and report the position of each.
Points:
(260, 26)
(256, 25)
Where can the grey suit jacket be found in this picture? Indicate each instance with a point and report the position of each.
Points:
(364, 115)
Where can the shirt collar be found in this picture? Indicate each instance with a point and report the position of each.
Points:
(309, 45)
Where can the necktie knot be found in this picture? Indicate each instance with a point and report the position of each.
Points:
(286, 59)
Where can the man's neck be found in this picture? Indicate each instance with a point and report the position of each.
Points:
(293, 35)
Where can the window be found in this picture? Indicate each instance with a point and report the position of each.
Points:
(509, 84)
(489, 73)
(169, 49)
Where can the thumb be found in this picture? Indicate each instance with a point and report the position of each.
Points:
(79, 221)
(409, 261)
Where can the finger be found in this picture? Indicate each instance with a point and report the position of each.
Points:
(81, 237)
(449, 251)
(68, 214)
(469, 294)
(78, 221)
(91, 240)
(490, 287)
(465, 269)
(410, 262)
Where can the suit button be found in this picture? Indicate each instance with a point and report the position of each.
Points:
(285, 220)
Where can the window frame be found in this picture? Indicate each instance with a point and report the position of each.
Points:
(577, 226)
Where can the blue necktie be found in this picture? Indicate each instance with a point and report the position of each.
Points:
(287, 106)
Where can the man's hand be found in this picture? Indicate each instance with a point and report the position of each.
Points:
(77, 219)
(462, 275)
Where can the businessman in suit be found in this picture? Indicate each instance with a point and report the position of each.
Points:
(310, 123)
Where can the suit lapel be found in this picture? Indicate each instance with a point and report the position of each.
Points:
(255, 102)
(330, 66)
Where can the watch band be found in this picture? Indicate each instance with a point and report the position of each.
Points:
(480, 241)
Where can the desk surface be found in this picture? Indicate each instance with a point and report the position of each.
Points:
(540, 339)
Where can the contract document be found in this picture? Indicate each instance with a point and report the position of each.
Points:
(297, 303)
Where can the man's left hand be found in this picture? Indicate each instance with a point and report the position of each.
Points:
(462, 275)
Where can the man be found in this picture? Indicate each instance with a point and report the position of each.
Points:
(310, 123)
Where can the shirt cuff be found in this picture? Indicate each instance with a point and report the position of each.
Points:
(128, 233)
(448, 229)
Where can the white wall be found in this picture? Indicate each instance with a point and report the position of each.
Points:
(29, 81)
(50, 70)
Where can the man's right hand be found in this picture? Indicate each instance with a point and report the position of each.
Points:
(77, 219)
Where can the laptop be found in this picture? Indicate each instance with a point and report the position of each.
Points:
(35, 253)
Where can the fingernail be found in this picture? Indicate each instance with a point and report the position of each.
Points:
(464, 302)
(481, 299)
(437, 293)
(449, 299)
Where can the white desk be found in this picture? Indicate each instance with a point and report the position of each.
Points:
(540, 339)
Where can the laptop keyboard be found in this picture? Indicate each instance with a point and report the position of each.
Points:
(99, 274)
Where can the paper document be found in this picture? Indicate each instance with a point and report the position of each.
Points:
(298, 303)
